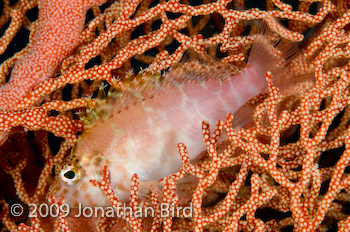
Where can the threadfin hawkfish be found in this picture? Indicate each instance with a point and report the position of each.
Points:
(142, 137)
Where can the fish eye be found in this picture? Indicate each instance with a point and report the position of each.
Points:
(70, 174)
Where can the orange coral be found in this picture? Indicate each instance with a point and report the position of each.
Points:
(292, 161)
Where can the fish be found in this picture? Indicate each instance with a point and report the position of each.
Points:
(142, 137)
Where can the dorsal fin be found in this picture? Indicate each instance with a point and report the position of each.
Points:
(198, 70)
(146, 84)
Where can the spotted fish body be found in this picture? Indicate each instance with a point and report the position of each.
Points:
(142, 138)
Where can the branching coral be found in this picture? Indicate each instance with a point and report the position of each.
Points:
(286, 171)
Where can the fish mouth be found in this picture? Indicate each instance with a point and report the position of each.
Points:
(53, 192)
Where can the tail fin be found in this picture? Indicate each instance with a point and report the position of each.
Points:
(271, 52)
